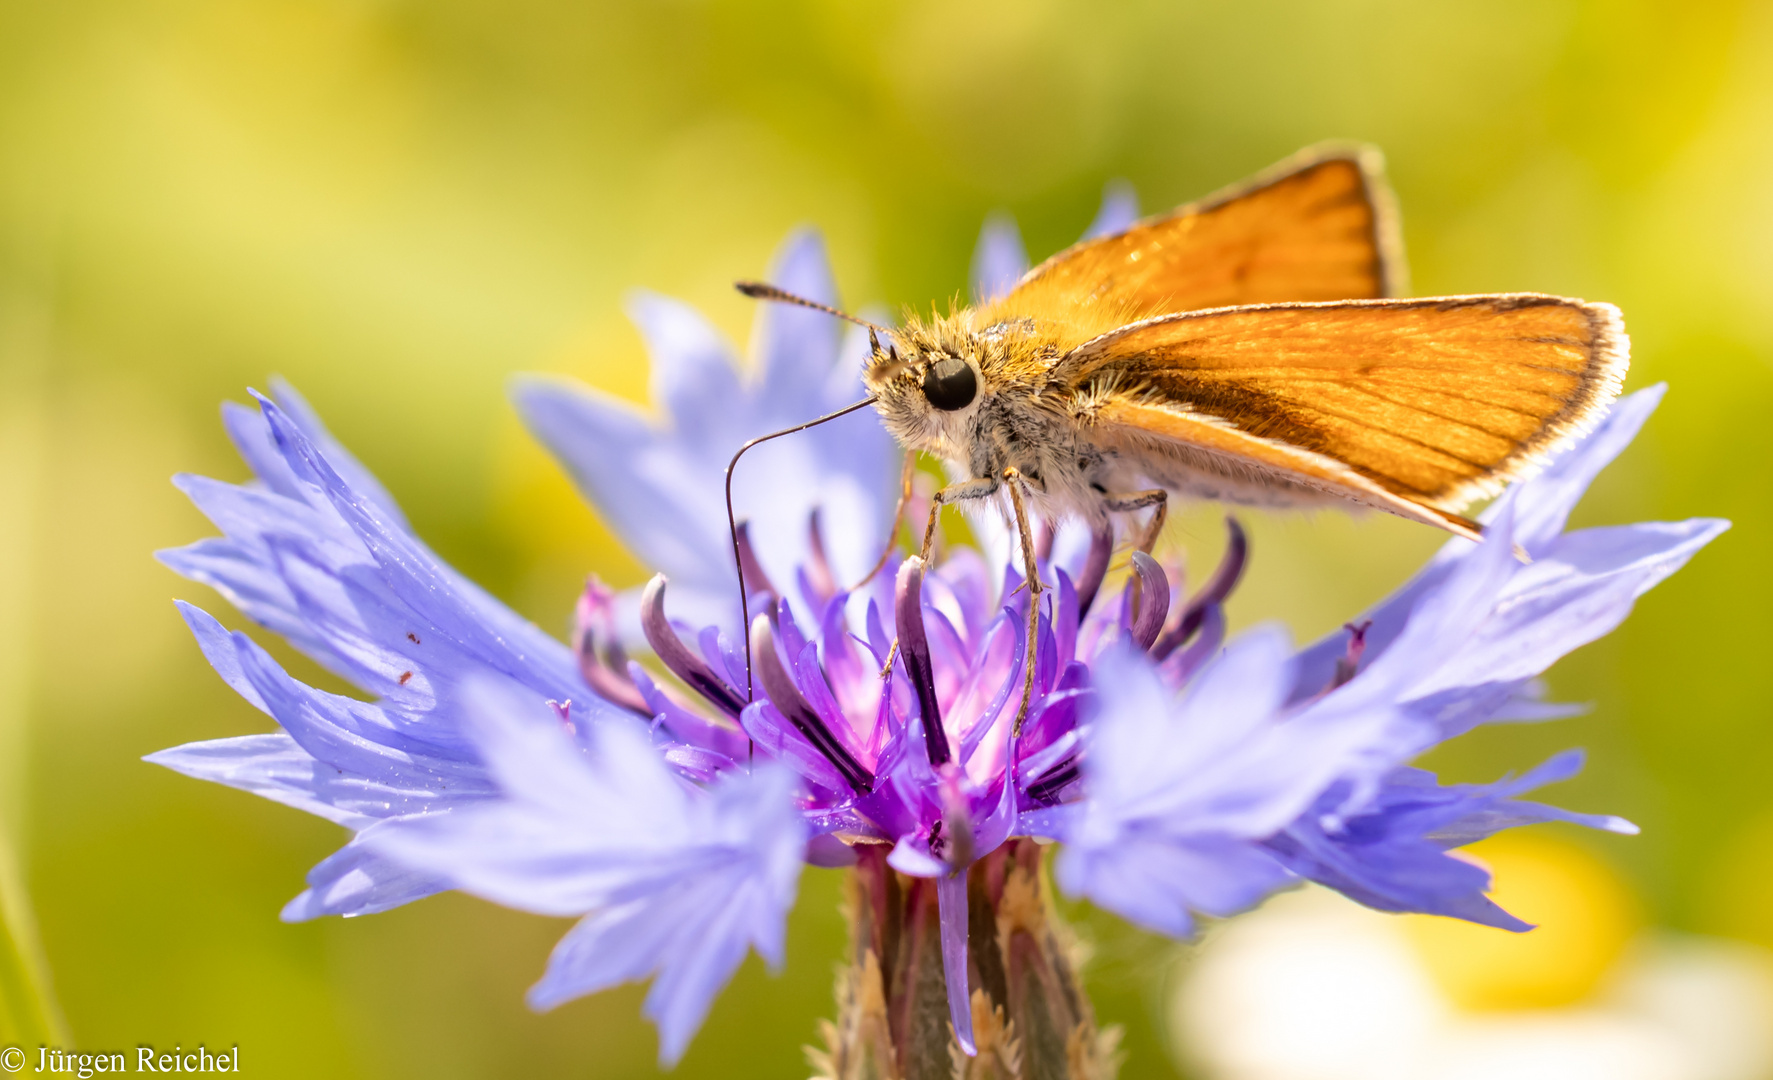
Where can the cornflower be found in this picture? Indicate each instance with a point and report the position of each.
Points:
(1180, 774)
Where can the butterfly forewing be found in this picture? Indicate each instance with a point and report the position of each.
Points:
(1318, 226)
(1435, 401)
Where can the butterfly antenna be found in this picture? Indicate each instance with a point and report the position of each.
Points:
(762, 290)
(732, 523)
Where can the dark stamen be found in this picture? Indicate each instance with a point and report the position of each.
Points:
(915, 648)
(1349, 663)
(1047, 788)
(674, 654)
(787, 699)
(1095, 567)
(1218, 587)
(1152, 598)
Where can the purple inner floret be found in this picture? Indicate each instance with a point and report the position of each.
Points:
(686, 665)
(785, 696)
(1212, 596)
(908, 607)
(823, 705)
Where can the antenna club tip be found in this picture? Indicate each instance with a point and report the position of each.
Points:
(759, 290)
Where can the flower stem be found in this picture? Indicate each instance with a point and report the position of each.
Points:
(1030, 1017)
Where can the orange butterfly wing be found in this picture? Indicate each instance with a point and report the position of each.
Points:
(1415, 406)
(1319, 226)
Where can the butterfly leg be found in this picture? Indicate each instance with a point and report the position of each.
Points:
(892, 539)
(966, 489)
(1139, 500)
(1030, 568)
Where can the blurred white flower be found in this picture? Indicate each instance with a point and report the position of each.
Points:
(1312, 987)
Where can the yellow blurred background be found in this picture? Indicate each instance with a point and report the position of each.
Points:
(397, 204)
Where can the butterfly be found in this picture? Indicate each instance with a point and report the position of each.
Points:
(1251, 348)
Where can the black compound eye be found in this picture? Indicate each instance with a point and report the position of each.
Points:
(950, 384)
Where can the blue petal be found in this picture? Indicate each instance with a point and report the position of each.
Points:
(661, 487)
(1182, 792)
(346, 465)
(273, 766)
(364, 740)
(1404, 875)
(1224, 757)
(220, 649)
(251, 437)
(1157, 881)
(664, 502)
(318, 552)
(410, 576)
(1539, 508)
(694, 374)
(324, 564)
(952, 915)
(673, 882)
(1546, 501)
(240, 565)
(1000, 260)
(1482, 810)
(1440, 623)
(355, 881)
(1120, 209)
(382, 762)
(1392, 855)
(1581, 587)
(796, 345)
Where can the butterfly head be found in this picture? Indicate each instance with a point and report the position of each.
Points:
(934, 381)
(928, 386)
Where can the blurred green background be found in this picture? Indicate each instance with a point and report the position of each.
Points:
(397, 204)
